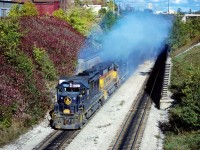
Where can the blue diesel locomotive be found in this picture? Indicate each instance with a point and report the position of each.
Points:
(79, 96)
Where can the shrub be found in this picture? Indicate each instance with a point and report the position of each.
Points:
(60, 14)
(81, 19)
(23, 95)
(9, 35)
(186, 87)
(15, 11)
(44, 63)
(61, 42)
(108, 21)
(27, 9)
(182, 33)
(102, 11)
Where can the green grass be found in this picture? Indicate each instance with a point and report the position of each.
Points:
(185, 47)
(12, 133)
(185, 141)
(191, 57)
(184, 66)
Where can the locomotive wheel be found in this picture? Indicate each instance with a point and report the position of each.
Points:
(102, 101)
(116, 85)
(99, 104)
(89, 113)
(84, 119)
(81, 125)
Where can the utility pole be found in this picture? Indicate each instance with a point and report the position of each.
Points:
(168, 6)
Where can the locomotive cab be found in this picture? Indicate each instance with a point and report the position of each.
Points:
(69, 105)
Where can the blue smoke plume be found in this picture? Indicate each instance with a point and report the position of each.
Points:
(138, 34)
(134, 38)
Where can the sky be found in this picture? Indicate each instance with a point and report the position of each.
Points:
(162, 5)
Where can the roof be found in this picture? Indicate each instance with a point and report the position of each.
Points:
(34, 1)
(89, 75)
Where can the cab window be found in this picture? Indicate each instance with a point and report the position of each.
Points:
(71, 89)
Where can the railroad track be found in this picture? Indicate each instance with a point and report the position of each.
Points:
(130, 135)
(58, 140)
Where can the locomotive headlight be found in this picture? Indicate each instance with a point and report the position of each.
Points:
(67, 101)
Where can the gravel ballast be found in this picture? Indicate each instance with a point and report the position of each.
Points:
(32, 138)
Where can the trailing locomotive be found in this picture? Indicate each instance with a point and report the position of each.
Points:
(79, 96)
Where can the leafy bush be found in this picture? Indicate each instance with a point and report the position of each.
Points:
(182, 33)
(61, 42)
(102, 11)
(23, 95)
(9, 35)
(44, 63)
(81, 19)
(60, 14)
(27, 9)
(186, 88)
(108, 21)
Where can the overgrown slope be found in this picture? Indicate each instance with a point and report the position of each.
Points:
(33, 50)
(184, 117)
(57, 37)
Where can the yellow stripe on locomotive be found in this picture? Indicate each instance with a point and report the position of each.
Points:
(105, 80)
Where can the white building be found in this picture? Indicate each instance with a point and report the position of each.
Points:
(95, 8)
(150, 6)
(172, 11)
(159, 12)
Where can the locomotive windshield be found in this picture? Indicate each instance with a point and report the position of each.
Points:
(69, 87)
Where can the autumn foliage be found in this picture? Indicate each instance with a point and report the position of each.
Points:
(33, 50)
(57, 37)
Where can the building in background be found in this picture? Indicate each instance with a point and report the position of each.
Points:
(44, 7)
(5, 6)
(150, 6)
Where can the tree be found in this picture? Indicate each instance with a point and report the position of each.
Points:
(108, 21)
(112, 6)
(102, 11)
(77, 2)
(15, 11)
(181, 32)
(28, 9)
(81, 19)
(179, 11)
(59, 14)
